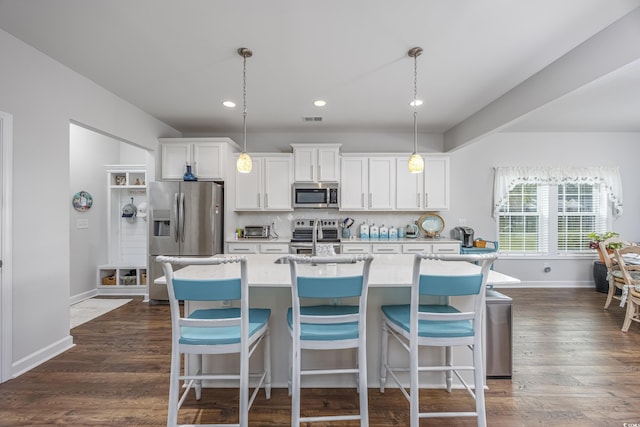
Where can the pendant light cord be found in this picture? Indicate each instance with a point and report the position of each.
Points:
(415, 103)
(244, 99)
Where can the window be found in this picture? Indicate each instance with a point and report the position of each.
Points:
(528, 223)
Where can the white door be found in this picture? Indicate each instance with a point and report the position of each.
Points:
(6, 144)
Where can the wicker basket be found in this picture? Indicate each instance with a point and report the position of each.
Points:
(109, 280)
(479, 243)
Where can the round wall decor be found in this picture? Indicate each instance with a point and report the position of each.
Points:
(82, 201)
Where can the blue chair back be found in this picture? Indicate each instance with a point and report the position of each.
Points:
(207, 289)
(450, 285)
(330, 287)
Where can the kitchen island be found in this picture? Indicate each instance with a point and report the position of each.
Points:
(389, 282)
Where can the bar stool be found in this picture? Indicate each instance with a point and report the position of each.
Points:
(215, 331)
(331, 326)
(417, 325)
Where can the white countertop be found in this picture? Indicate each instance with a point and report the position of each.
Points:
(387, 270)
(401, 240)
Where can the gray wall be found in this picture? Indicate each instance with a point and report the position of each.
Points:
(44, 97)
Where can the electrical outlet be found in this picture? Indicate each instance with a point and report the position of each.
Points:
(82, 223)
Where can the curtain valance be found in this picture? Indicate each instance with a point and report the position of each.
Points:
(506, 178)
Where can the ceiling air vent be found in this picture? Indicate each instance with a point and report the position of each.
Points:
(315, 119)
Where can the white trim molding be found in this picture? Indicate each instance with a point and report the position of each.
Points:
(6, 281)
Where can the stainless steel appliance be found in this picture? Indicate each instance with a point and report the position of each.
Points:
(464, 234)
(185, 219)
(326, 231)
(316, 196)
(256, 232)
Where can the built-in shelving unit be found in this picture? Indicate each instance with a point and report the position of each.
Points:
(125, 272)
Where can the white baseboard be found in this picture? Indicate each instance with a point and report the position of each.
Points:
(39, 357)
(549, 284)
(83, 296)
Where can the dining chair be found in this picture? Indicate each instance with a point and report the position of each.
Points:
(614, 275)
(423, 323)
(631, 288)
(215, 331)
(321, 318)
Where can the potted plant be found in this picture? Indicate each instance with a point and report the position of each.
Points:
(596, 238)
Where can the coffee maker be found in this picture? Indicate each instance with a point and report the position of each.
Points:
(464, 234)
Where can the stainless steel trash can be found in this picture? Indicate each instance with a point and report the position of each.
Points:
(499, 335)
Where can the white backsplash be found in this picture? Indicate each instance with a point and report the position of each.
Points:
(283, 221)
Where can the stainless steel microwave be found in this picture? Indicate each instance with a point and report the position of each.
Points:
(316, 196)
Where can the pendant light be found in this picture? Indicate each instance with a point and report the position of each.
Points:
(416, 162)
(244, 163)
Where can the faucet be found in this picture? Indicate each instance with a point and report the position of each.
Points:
(317, 234)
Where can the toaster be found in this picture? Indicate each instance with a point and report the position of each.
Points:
(256, 232)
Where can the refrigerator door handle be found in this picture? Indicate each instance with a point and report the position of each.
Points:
(181, 213)
(175, 215)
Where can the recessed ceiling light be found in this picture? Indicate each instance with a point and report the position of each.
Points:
(229, 104)
(416, 103)
(319, 103)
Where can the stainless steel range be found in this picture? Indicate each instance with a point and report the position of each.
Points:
(309, 232)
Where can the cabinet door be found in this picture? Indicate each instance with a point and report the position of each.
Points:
(382, 178)
(354, 193)
(355, 248)
(304, 160)
(174, 158)
(277, 183)
(208, 160)
(446, 248)
(408, 187)
(328, 169)
(436, 183)
(248, 188)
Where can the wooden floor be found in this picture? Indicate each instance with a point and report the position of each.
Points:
(572, 367)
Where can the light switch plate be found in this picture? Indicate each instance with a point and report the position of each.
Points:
(82, 223)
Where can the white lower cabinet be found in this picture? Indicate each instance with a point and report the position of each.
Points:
(355, 248)
(385, 248)
(415, 248)
(255, 248)
(400, 247)
(446, 248)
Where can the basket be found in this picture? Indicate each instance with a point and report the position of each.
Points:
(480, 243)
(109, 280)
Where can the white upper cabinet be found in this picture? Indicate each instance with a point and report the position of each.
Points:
(316, 163)
(384, 183)
(354, 190)
(367, 183)
(207, 157)
(267, 186)
(382, 179)
(436, 183)
(409, 186)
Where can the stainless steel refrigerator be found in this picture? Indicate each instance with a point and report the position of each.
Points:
(185, 219)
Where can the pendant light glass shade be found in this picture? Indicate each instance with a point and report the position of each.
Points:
(416, 162)
(244, 163)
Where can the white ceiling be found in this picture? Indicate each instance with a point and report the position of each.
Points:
(487, 64)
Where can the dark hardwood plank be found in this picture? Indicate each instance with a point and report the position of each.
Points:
(572, 367)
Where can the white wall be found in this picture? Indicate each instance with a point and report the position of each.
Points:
(472, 189)
(44, 97)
